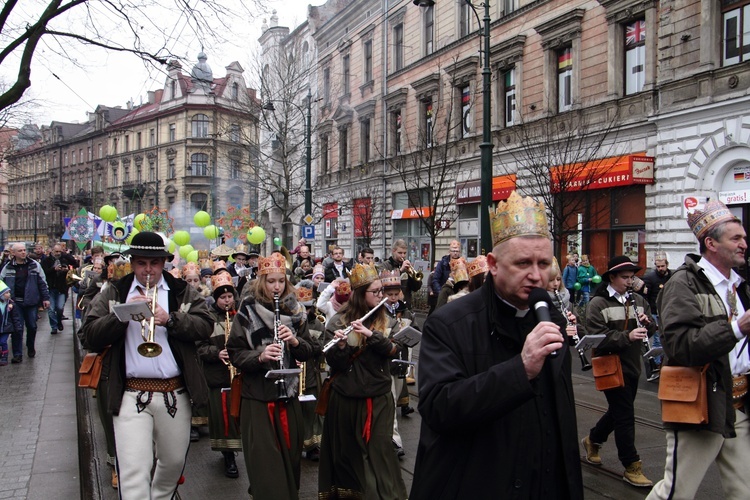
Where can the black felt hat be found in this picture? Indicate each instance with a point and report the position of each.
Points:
(148, 244)
(619, 264)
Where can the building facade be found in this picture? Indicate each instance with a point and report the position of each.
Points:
(192, 146)
(620, 114)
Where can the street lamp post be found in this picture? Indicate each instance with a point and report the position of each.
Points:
(486, 145)
(308, 144)
(35, 227)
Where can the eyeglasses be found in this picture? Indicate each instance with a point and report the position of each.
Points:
(379, 291)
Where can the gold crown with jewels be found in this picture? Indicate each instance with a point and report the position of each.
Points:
(274, 263)
(362, 275)
(478, 266)
(713, 213)
(518, 216)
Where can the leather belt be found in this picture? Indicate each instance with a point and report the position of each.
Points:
(739, 391)
(154, 384)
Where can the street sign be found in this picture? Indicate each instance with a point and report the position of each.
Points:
(308, 232)
(308, 219)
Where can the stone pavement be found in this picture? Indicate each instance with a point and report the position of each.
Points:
(39, 439)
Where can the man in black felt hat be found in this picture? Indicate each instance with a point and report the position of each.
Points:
(149, 396)
(624, 317)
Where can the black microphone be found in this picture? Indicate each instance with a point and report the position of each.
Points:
(541, 302)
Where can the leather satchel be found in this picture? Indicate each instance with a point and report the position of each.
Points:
(235, 396)
(607, 372)
(682, 391)
(91, 369)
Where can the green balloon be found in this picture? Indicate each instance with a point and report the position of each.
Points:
(171, 246)
(108, 213)
(277, 241)
(256, 235)
(596, 279)
(211, 232)
(577, 287)
(133, 232)
(181, 238)
(138, 221)
(202, 218)
(185, 251)
(192, 256)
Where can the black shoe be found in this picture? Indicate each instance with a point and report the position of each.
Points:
(400, 452)
(64, 317)
(406, 411)
(314, 455)
(60, 326)
(32, 353)
(53, 331)
(230, 465)
(16, 359)
(194, 434)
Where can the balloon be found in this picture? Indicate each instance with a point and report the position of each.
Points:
(256, 235)
(133, 232)
(181, 238)
(138, 221)
(108, 213)
(230, 259)
(596, 279)
(277, 241)
(192, 256)
(211, 232)
(185, 251)
(202, 219)
(171, 246)
(577, 287)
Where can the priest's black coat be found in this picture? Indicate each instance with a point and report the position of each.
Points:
(480, 435)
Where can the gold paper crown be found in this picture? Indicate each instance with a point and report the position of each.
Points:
(218, 264)
(222, 251)
(304, 294)
(391, 279)
(660, 255)
(477, 266)
(175, 271)
(202, 254)
(205, 263)
(118, 268)
(190, 268)
(458, 271)
(713, 213)
(363, 275)
(518, 216)
(275, 263)
(221, 279)
(343, 289)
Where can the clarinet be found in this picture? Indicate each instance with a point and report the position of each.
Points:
(585, 365)
(631, 302)
(280, 382)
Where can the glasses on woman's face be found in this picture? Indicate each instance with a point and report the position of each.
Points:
(378, 291)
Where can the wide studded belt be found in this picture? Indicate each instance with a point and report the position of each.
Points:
(155, 384)
(739, 391)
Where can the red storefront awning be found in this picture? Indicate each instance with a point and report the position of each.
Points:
(610, 172)
(471, 191)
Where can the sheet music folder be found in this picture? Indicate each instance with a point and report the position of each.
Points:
(590, 341)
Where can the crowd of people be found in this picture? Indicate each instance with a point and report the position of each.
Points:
(286, 357)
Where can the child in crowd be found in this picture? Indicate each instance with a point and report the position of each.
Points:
(10, 324)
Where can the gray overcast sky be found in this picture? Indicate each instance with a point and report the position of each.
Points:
(113, 79)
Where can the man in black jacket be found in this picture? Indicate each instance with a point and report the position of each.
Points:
(150, 390)
(56, 266)
(339, 268)
(498, 415)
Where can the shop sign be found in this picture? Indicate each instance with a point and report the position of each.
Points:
(734, 197)
(692, 203)
(610, 172)
(412, 213)
(471, 191)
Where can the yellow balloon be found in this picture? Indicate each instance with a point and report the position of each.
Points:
(185, 251)
(192, 256)
(133, 232)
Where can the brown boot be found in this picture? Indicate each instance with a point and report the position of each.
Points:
(592, 451)
(634, 475)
